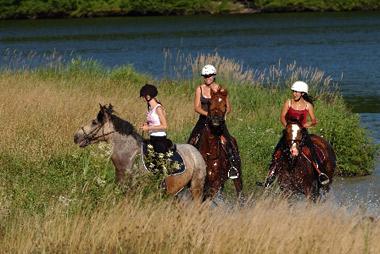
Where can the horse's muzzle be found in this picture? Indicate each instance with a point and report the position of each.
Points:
(217, 120)
(294, 151)
(79, 140)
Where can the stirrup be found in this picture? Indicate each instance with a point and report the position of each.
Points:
(233, 175)
(268, 181)
(323, 182)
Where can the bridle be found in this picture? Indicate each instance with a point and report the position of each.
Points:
(297, 142)
(92, 135)
(218, 118)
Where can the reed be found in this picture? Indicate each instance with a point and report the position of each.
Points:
(268, 225)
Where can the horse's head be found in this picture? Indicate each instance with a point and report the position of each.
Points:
(293, 136)
(218, 107)
(97, 130)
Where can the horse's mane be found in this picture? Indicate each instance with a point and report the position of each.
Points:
(121, 126)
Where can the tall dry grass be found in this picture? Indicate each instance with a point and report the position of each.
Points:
(132, 226)
(56, 198)
(39, 117)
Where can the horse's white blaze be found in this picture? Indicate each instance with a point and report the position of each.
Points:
(295, 129)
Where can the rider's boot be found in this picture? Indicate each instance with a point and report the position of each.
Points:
(270, 178)
(233, 172)
(322, 177)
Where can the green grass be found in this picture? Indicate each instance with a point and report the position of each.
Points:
(42, 109)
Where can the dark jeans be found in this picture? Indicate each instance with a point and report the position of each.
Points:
(196, 133)
(160, 144)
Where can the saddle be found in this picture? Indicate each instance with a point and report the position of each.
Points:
(172, 160)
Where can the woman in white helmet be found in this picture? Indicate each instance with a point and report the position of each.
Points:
(201, 105)
(301, 108)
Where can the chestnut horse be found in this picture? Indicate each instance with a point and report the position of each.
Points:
(214, 145)
(127, 145)
(296, 171)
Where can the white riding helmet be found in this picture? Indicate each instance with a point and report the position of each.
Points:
(300, 86)
(208, 70)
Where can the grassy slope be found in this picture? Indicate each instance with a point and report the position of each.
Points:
(44, 173)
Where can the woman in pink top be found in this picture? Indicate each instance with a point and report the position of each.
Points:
(156, 123)
(300, 108)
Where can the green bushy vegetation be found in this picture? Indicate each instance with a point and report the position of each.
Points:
(316, 5)
(91, 8)
(97, 8)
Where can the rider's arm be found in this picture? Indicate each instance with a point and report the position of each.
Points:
(312, 117)
(284, 110)
(197, 102)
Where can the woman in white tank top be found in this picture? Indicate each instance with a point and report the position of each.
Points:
(156, 124)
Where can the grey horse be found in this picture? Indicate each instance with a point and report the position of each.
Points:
(127, 145)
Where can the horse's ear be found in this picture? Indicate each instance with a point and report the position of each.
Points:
(110, 108)
(101, 106)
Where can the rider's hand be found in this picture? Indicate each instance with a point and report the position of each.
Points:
(145, 127)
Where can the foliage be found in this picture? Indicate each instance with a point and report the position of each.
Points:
(90, 8)
(316, 5)
(96, 8)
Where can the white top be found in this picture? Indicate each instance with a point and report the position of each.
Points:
(154, 120)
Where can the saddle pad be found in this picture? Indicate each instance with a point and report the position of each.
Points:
(174, 159)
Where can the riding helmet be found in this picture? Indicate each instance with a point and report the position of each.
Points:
(148, 89)
(300, 86)
(208, 70)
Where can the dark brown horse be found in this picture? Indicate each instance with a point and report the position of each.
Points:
(296, 170)
(214, 148)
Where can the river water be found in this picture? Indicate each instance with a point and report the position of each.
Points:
(344, 45)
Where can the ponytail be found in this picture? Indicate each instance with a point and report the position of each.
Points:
(308, 98)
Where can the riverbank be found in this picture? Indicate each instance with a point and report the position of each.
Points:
(57, 197)
(34, 9)
(42, 108)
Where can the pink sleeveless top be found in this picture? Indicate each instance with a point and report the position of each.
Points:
(153, 120)
(300, 115)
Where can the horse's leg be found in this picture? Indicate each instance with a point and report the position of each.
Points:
(119, 170)
(122, 162)
(213, 187)
(238, 185)
(312, 191)
(198, 182)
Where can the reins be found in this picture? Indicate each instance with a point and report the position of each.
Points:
(91, 136)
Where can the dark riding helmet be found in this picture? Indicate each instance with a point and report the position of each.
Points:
(148, 89)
